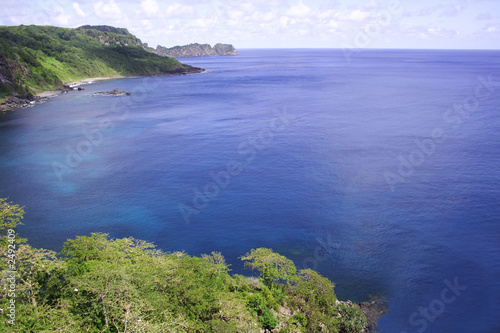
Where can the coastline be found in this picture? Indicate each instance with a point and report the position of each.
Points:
(12, 102)
(373, 311)
(69, 86)
(72, 85)
(94, 80)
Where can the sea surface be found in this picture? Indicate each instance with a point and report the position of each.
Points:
(378, 168)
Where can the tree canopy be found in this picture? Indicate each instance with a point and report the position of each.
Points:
(101, 284)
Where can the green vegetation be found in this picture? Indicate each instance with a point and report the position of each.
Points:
(98, 284)
(38, 58)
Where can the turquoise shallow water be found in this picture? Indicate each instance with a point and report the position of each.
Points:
(382, 173)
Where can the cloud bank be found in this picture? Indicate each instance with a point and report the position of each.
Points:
(278, 23)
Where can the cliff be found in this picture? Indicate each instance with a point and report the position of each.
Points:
(39, 58)
(6, 79)
(195, 50)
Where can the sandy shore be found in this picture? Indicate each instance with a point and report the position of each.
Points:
(94, 80)
(16, 102)
(48, 94)
(72, 85)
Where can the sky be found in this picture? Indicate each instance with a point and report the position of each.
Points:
(423, 24)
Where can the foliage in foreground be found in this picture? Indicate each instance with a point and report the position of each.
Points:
(98, 284)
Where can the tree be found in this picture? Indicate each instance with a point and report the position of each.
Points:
(108, 295)
(98, 284)
(314, 288)
(217, 262)
(273, 267)
(37, 291)
(10, 217)
(29, 276)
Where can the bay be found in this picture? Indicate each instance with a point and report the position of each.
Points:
(381, 172)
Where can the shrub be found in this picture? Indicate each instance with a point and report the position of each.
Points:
(4, 90)
(273, 267)
(352, 319)
(256, 303)
(268, 320)
(300, 318)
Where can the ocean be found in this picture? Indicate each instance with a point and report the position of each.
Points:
(380, 169)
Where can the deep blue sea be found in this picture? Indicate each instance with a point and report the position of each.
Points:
(381, 171)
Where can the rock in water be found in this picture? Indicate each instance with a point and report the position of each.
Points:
(114, 92)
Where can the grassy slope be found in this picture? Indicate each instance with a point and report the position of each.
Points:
(44, 57)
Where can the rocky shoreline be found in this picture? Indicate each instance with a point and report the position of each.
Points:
(19, 102)
(14, 102)
(373, 311)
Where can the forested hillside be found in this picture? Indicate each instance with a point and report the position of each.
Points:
(39, 58)
(99, 284)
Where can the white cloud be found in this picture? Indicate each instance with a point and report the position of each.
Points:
(427, 11)
(178, 10)
(200, 23)
(452, 11)
(236, 14)
(303, 32)
(358, 15)
(108, 10)
(247, 7)
(299, 10)
(150, 7)
(372, 4)
(263, 17)
(147, 24)
(59, 16)
(287, 21)
(271, 23)
(434, 31)
(332, 24)
(78, 10)
(492, 29)
(326, 14)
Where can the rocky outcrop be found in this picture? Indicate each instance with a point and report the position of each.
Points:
(15, 102)
(114, 92)
(195, 50)
(18, 101)
(224, 49)
(5, 72)
(108, 35)
(106, 28)
(373, 311)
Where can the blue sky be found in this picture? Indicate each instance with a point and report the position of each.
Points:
(456, 24)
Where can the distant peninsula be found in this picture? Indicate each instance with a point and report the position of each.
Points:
(34, 59)
(195, 50)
